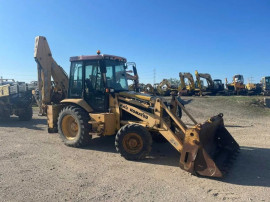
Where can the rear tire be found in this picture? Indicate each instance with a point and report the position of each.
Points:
(26, 115)
(133, 142)
(73, 126)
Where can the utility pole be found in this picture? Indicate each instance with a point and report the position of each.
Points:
(154, 78)
(250, 79)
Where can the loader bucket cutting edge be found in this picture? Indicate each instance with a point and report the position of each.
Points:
(212, 154)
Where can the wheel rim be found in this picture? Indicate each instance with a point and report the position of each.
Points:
(132, 143)
(70, 127)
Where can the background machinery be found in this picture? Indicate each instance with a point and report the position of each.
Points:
(98, 103)
(213, 86)
(218, 85)
(237, 86)
(189, 88)
(15, 99)
(265, 85)
(164, 88)
(208, 78)
(149, 89)
(253, 88)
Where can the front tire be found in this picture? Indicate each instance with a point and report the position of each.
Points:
(133, 142)
(73, 126)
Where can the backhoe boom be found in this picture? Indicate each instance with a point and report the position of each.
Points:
(50, 91)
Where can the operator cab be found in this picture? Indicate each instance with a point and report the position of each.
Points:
(93, 77)
(217, 81)
(238, 78)
(218, 84)
(202, 84)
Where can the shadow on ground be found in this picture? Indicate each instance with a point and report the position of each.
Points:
(251, 168)
(161, 154)
(185, 102)
(14, 122)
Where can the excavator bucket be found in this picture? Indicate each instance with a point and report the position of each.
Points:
(208, 149)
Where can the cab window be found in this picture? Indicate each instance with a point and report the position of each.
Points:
(75, 81)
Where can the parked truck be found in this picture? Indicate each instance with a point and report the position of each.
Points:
(15, 99)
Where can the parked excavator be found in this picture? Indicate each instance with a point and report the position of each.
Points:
(164, 88)
(149, 89)
(213, 86)
(188, 89)
(96, 101)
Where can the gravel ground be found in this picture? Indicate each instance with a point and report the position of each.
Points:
(37, 166)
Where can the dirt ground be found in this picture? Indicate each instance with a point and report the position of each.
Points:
(37, 166)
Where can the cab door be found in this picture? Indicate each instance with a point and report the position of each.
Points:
(94, 93)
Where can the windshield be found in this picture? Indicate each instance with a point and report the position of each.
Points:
(239, 79)
(116, 75)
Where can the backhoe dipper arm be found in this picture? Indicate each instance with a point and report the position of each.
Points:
(47, 69)
(134, 77)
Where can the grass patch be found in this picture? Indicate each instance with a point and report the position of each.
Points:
(253, 104)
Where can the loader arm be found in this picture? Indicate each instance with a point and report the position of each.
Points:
(47, 69)
(204, 148)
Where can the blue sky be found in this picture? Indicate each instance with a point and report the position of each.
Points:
(222, 38)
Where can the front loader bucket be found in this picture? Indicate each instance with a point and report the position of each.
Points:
(208, 149)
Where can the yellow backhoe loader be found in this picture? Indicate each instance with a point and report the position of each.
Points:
(98, 103)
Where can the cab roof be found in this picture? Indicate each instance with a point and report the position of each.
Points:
(97, 57)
